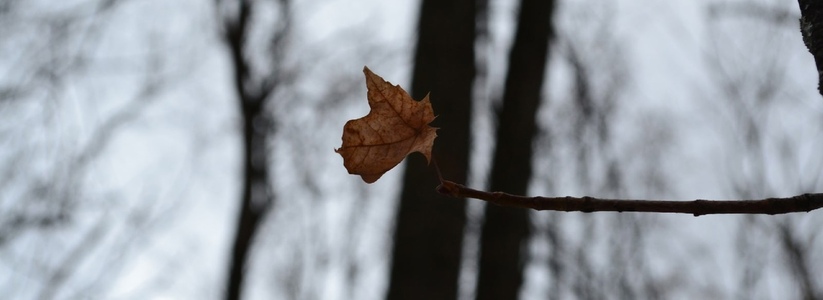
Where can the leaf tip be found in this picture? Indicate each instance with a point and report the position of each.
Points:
(370, 178)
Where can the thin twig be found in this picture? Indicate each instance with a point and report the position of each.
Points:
(437, 168)
(770, 206)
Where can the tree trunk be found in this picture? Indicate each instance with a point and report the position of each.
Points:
(811, 19)
(429, 230)
(505, 231)
(252, 95)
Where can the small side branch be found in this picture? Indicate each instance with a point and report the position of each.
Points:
(770, 206)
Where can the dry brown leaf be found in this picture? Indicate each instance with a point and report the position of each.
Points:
(396, 126)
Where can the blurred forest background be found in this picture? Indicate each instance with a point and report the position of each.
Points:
(184, 149)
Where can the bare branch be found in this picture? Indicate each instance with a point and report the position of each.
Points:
(70, 263)
(770, 206)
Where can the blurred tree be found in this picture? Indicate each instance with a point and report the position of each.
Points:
(761, 158)
(255, 79)
(595, 256)
(761, 153)
(59, 218)
(428, 236)
(505, 231)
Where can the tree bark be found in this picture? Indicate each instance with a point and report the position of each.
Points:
(811, 27)
(428, 236)
(505, 231)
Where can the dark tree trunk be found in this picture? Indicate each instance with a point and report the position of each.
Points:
(811, 28)
(505, 231)
(252, 95)
(255, 202)
(429, 230)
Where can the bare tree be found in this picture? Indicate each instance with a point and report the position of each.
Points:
(61, 135)
(255, 80)
(762, 147)
(506, 231)
(429, 229)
